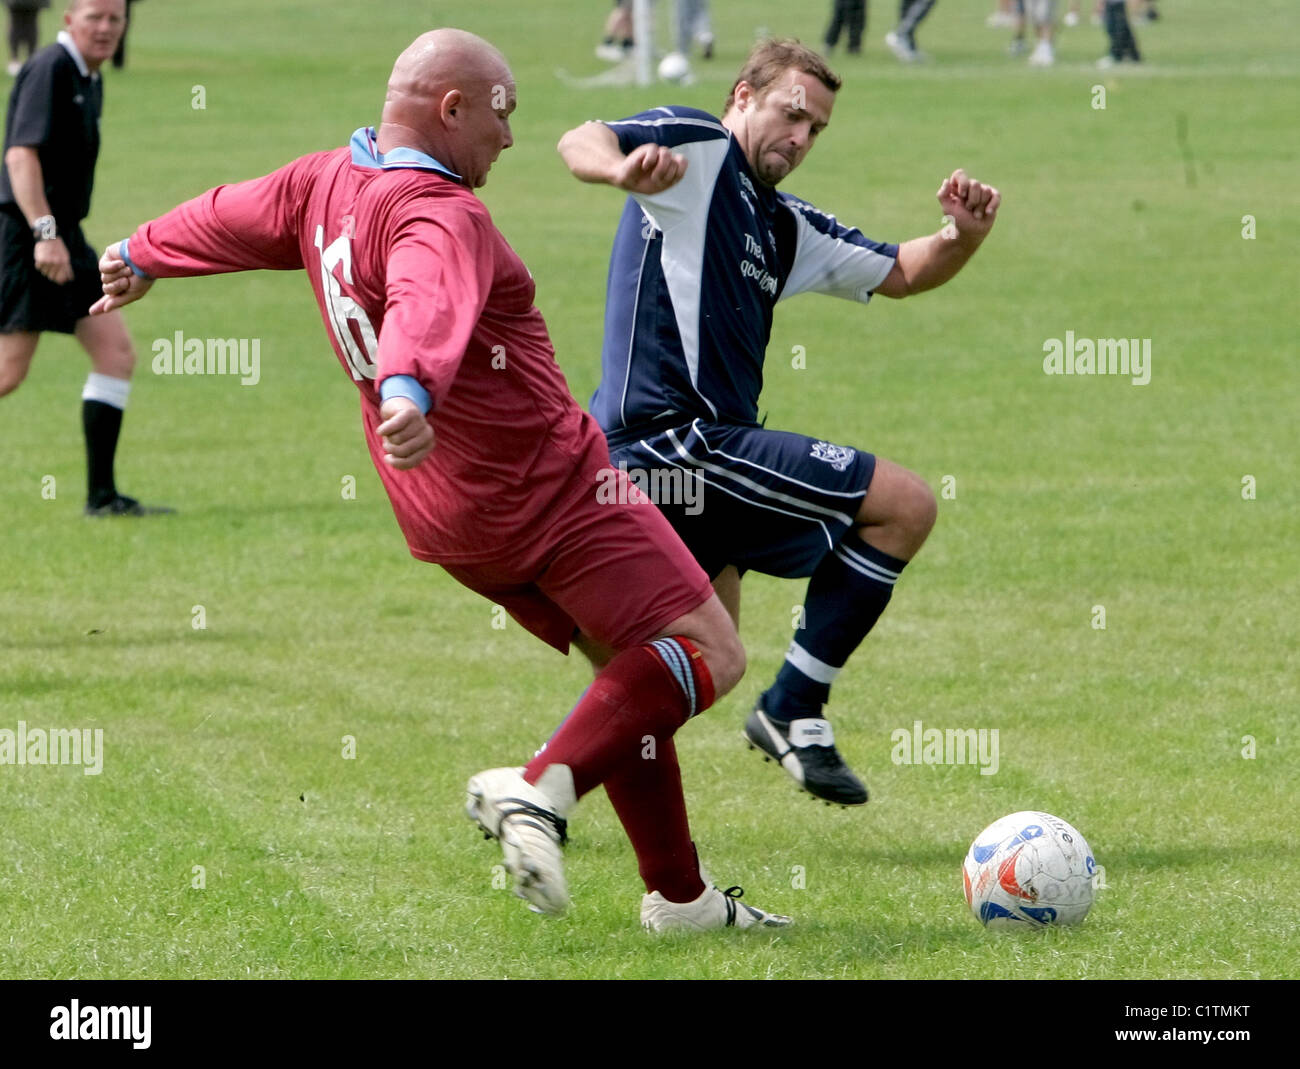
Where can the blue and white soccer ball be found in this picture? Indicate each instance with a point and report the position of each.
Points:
(1029, 870)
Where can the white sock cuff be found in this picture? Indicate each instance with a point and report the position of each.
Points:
(818, 671)
(106, 390)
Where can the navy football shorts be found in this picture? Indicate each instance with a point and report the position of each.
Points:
(767, 501)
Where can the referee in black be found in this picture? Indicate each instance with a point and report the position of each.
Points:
(49, 277)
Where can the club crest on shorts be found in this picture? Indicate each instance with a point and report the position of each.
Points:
(838, 457)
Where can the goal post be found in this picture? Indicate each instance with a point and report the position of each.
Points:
(643, 43)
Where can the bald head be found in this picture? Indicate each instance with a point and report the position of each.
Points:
(450, 95)
(438, 61)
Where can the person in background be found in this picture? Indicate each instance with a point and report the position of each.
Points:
(616, 44)
(901, 40)
(119, 57)
(850, 15)
(49, 277)
(1042, 14)
(1016, 20)
(694, 26)
(1005, 17)
(1123, 45)
(22, 30)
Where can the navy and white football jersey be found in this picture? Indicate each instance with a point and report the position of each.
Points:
(695, 274)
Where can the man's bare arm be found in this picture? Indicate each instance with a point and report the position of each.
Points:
(924, 263)
(591, 152)
(28, 183)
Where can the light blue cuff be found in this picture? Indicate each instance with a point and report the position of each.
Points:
(129, 263)
(406, 386)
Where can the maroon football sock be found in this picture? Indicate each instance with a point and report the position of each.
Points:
(646, 793)
(646, 692)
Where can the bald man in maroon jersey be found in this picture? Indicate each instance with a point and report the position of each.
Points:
(431, 314)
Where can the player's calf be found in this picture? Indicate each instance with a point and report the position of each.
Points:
(16, 352)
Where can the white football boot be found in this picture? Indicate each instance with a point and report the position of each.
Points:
(713, 909)
(529, 822)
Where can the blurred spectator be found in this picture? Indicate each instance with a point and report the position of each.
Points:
(1123, 45)
(1042, 15)
(22, 29)
(119, 57)
(850, 15)
(616, 45)
(902, 38)
(1008, 15)
(694, 26)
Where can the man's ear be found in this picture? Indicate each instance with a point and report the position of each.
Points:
(449, 107)
(744, 95)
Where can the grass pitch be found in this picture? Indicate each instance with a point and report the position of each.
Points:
(229, 835)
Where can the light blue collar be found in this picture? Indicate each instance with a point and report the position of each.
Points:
(366, 154)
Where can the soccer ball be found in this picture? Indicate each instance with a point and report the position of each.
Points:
(1029, 870)
(675, 67)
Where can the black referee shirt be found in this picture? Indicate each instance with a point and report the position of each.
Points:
(55, 109)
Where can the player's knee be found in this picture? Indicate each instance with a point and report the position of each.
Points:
(921, 510)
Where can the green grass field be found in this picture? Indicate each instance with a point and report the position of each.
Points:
(228, 836)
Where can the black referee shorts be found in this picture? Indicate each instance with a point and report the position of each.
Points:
(31, 302)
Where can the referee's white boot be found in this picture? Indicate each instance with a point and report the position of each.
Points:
(528, 821)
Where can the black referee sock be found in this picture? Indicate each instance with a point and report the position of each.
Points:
(846, 595)
(102, 402)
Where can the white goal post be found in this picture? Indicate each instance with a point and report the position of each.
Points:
(643, 46)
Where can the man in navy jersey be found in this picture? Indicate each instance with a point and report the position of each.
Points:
(705, 249)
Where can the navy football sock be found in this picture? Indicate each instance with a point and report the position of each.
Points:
(846, 595)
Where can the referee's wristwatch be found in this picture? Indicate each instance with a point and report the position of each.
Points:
(45, 228)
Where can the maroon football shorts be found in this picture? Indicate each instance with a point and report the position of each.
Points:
(613, 569)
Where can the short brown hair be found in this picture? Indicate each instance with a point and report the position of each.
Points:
(772, 58)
